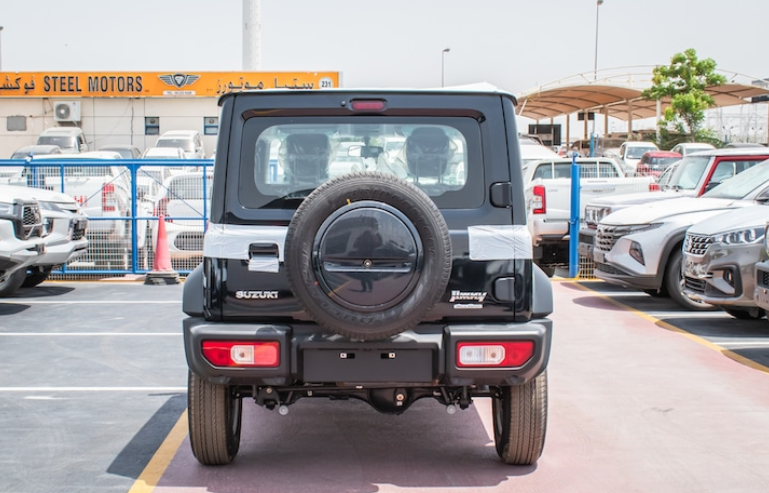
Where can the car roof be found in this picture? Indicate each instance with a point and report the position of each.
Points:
(62, 131)
(662, 154)
(179, 133)
(38, 148)
(734, 151)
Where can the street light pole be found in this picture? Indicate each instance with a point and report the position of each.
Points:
(443, 64)
(598, 3)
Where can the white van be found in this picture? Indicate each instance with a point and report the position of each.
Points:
(189, 140)
(70, 139)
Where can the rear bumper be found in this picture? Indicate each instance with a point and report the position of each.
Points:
(423, 357)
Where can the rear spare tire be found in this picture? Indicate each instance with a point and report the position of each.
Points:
(367, 255)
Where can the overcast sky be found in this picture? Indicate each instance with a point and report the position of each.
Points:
(515, 45)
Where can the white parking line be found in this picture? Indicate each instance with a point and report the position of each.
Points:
(743, 343)
(93, 389)
(88, 334)
(22, 301)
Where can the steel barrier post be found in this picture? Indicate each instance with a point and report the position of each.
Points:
(574, 218)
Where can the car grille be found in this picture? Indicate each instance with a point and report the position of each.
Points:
(189, 241)
(762, 278)
(608, 269)
(607, 236)
(583, 238)
(693, 284)
(697, 244)
(78, 230)
(31, 222)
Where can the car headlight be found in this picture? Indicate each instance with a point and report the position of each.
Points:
(635, 228)
(740, 236)
(6, 210)
(594, 214)
(766, 238)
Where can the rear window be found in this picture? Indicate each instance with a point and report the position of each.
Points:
(283, 160)
(586, 170)
(65, 142)
(185, 144)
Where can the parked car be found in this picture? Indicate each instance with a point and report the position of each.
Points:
(719, 255)
(691, 176)
(686, 148)
(181, 203)
(71, 139)
(105, 195)
(189, 140)
(640, 247)
(630, 153)
(64, 230)
(653, 163)
(125, 151)
(35, 150)
(21, 239)
(547, 186)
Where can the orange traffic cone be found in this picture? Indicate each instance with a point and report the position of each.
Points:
(162, 272)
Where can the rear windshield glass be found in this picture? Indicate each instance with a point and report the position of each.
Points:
(283, 160)
(64, 142)
(185, 144)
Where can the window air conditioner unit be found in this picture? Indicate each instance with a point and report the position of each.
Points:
(66, 111)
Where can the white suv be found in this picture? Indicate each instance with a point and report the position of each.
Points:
(21, 241)
(71, 139)
(640, 247)
(189, 140)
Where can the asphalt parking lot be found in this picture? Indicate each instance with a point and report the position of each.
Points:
(643, 397)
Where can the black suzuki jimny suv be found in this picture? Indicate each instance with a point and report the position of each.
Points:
(369, 245)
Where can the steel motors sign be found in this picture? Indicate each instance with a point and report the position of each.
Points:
(156, 84)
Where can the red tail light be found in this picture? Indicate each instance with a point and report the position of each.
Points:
(654, 187)
(108, 201)
(538, 204)
(494, 354)
(265, 354)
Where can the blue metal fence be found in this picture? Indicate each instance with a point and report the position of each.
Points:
(42, 173)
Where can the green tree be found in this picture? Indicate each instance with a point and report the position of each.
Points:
(685, 81)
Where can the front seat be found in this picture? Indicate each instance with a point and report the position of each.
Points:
(428, 152)
(306, 158)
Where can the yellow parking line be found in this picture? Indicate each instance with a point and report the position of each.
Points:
(666, 325)
(151, 474)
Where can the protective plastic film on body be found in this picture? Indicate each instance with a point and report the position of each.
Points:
(499, 242)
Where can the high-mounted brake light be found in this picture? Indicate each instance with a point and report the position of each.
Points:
(367, 105)
(538, 203)
(263, 354)
(491, 354)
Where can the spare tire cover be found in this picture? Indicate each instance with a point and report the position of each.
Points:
(367, 255)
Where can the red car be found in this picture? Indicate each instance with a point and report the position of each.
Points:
(653, 163)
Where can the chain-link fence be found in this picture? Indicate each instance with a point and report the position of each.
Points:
(123, 200)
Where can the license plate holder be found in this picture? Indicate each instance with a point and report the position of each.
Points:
(364, 365)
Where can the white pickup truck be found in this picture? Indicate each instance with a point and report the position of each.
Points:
(548, 201)
(103, 189)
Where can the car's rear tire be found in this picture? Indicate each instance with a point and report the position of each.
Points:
(214, 415)
(373, 230)
(38, 275)
(674, 282)
(520, 421)
(12, 283)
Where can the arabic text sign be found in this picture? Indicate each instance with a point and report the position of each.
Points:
(156, 84)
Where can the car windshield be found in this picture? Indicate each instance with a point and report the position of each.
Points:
(688, 172)
(662, 162)
(635, 152)
(291, 159)
(742, 184)
(62, 141)
(185, 144)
